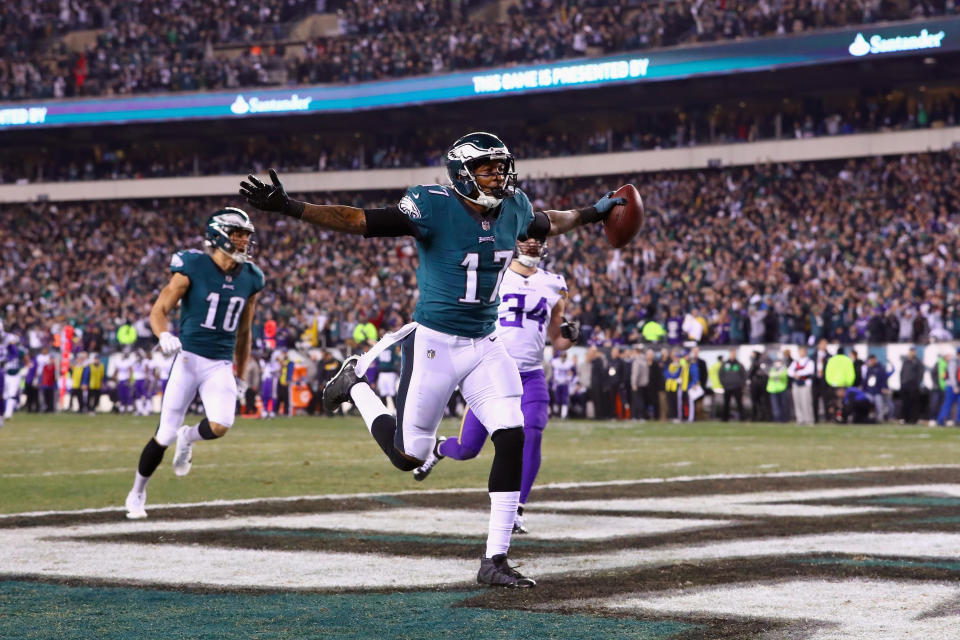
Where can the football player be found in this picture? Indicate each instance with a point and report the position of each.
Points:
(532, 302)
(465, 234)
(218, 289)
(123, 374)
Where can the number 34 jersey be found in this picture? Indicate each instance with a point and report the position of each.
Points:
(526, 303)
(211, 309)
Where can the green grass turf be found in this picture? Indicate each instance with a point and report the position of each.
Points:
(73, 462)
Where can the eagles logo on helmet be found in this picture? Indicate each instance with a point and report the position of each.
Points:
(471, 151)
(225, 222)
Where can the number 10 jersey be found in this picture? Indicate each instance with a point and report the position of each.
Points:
(212, 306)
(526, 303)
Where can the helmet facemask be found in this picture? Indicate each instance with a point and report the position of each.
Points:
(530, 252)
(470, 153)
(222, 225)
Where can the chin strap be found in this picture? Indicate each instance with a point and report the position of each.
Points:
(484, 200)
(528, 261)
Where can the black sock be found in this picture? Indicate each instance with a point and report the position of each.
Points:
(506, 472)
(204, 430)
(384, 430)
(150, 458)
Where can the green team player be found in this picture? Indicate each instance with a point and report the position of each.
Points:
(218, 290)
(465, 234)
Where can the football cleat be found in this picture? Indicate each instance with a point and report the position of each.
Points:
(496, 572)
(423, 470)
(183, 457)
(134, 505)
(337, 390)
(518, 525)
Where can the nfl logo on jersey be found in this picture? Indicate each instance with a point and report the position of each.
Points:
(431, 354)
(486, 225)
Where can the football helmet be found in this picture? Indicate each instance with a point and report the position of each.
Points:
(530, 252)
(472, 150)
(219, 227)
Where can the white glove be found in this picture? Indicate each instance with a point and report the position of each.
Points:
(242, 387)
(169, 343)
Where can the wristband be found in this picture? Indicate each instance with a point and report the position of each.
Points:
(294, 209)
(590, 214)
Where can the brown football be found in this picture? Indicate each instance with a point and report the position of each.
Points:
(625, 220)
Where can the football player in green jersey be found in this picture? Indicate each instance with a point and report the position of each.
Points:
(218, 291)
(465, 234)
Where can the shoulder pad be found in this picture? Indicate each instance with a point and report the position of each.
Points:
(257, 272)
(181, 259)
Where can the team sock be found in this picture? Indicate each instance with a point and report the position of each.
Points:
(503, 511)
(368, 404)
(150, 459)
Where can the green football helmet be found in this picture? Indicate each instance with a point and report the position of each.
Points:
(472, 150)
(219, 227)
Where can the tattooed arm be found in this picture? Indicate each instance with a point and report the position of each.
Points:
(274, 198)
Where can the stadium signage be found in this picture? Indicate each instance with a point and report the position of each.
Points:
(561, 75)
(33, 115)
(758, 54)
(879, 44)
(242, 107)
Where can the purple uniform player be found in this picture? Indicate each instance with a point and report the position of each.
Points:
(531, 310)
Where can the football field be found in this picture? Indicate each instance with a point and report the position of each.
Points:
(300, 528)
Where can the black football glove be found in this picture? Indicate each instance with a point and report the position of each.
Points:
(606, 204)
(570, 330)
(270, 197)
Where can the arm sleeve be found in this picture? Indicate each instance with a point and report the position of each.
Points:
(538, 228)
(389, 222)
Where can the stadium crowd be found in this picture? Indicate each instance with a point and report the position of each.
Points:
(727, 257)
(300, 152)
(179, 46)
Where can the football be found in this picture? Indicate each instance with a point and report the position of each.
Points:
(625, 220)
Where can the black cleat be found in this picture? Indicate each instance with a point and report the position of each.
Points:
(337, 390)
(495, 572)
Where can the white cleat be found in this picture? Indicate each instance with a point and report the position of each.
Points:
(183, 457)
(135, 503)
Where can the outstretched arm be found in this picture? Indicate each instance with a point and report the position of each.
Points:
(274, 198)
(563, 221)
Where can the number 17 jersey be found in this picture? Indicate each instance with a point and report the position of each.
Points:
(526, 303)
(211, 308)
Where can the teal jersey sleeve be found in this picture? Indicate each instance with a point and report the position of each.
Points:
(258, 280)
(524, 212)
(416, 205)
(181, 261)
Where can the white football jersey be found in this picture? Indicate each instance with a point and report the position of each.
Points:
(526, 303)
(124, 367)
(140, 370)
(562, 370)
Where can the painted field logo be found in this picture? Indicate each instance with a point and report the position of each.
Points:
(817, 556)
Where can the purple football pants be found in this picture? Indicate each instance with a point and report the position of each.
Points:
(535, 404)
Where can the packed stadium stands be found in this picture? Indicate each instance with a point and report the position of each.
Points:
(742, 246)
(187, 46)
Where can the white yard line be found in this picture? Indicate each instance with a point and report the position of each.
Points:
(555, 485)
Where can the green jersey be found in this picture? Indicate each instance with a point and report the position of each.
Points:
(463, 256)
(211, 308)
